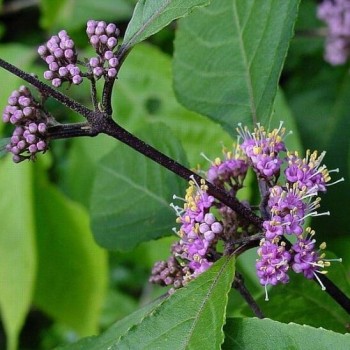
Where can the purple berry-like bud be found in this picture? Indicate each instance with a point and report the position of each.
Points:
(69, 54)
(94, 40)
(15, 139)
(56, 82)
(69, 44)
(49, 59)
(113, 62)
(77, 79)
(63, 71)
(90, 30)
(204, 227)
(209, 218)
(42, 50)
(18, 131)
(32, 149)
(111, 28)
(74, 70)
(31, 139)
(16, 93)
(216, 227)
(13, 120)
(112, 72)
(53, 66)
(103, 39)
(94, 62)
(62, 34)
(41, 145)
(98, 72)
(24, 101)
(12, 100)
(21, 145)
(48, 75)
(17, 159)
(15, 150)
(5, 117)
(18, 115)
(108, 55)
(58, 53)
(33, 128)
(112, 42)
(28, 111)
(42, 128)
(209, 235)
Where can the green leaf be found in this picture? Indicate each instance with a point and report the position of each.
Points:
(252, 333)
(191, 318)
(108, 338)
(131, 194)
(150, 16)
(229, 56)
(72, 269)
(17, 246)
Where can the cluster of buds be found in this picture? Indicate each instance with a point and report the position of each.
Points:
(60, 55)
(62, 59)
(336, 15)
(289, 186)
(104, 39)
(30, 121)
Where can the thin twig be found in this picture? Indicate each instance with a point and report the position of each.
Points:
(238, 284)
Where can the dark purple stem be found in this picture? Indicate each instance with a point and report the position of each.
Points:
(238, 284)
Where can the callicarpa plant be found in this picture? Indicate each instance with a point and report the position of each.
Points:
(248, 251)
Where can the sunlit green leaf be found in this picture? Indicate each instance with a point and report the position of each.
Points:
(191, 318)
(151, 16)
(72, 269)
(229, 56)
(17, 246)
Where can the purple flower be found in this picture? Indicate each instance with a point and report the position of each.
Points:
(263, 148)
(273, 263)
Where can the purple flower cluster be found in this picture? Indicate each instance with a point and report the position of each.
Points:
(307, 172)
(205, 221)
(29, 136)
(199, 232)
(262, 149)
(104, 38)
(336, 14)
(60, 55)
(230, 172)
(62, 59)
(273, 265)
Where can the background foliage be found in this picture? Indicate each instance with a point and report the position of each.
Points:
(75, 226)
